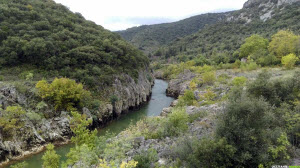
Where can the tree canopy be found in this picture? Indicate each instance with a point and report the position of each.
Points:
(49, 37)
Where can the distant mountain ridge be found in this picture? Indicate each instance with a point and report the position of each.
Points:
(149, 38)
(225, 34)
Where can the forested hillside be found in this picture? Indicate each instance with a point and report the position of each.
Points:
(47, 36)
(223, 39)
(149, 38)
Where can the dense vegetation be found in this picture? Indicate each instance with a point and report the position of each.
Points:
(220, 42)
(149, 38)
(48, 37)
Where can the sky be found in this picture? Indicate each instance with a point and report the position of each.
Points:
(122, 14)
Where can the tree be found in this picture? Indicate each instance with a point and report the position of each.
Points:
(283, 43)
(289, 61)
(78, 125)
(247, 125)
(50, 158)
(64, 92)
(253, 45)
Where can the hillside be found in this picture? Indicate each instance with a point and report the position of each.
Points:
(49, 37)
(225, 37)
(54, 62)
(149, 38)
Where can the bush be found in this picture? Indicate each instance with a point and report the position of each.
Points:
(29, 76)
(248, 125)
(176, 122)
(276, 91)
(289, 61)
(146, 158)
(209, 77)
(223, 78)
(65, 93)
(34, 117)
(249, 66)
(1, 77)
(11, 119)
(239, 81)
(205, 152)
(208, 97)
(187, 99)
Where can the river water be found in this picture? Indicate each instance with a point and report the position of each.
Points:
(158, 101)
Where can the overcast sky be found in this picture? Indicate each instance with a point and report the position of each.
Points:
(122, 14)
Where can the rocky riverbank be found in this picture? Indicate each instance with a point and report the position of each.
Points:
(33, 136)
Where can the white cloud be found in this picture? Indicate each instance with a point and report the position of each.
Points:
(116, 14)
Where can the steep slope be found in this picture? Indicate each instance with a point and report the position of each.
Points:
(49, 37)
(262, 17)
(40, 39)
(150, 38)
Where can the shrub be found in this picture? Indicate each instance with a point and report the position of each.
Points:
(187, 99)
(146, 158)
(249, 66)
(205, 152)
(11, 119)
(41, 105)
(208, 97)
(29, 76)
(289, 61)
(50, 158)
(1, 77)
(223, 78)
(65, 93)
(209, 77)
(239, 81)
(177, 122)
(193, 85)
(276, 91)
(247, 125)
(237, 64)
(34, 117)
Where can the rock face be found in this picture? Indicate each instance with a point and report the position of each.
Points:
(129, 94)
(180, 84)
(33, 136)
(262, 9)
(252, 3)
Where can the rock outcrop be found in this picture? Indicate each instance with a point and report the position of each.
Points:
(33, 136)
(180, 84)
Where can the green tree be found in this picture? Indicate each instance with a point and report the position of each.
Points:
(253, 45)
(247, 125)
(50, 158)
(283, 43)
(289, 61)
(64, 92)
(82, 135)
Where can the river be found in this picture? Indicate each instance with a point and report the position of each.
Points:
(158, 101)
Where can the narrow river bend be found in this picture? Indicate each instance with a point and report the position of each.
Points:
(158, 101)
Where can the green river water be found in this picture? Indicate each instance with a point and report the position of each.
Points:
(158, 101)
